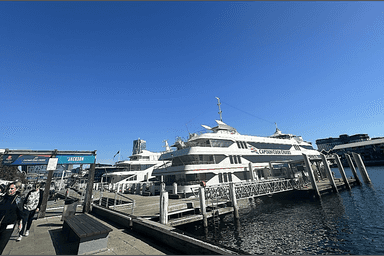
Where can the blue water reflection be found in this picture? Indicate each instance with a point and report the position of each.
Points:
(346, 223)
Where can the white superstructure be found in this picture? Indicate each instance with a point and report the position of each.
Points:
(221, 154)
(138, 168)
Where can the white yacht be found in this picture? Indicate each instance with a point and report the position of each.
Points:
(221, 154)
(137, 169)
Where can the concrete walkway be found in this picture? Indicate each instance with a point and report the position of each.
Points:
(46, 239)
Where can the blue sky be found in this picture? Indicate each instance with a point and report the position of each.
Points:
(97, 75)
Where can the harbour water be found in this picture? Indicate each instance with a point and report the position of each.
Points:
(350, 222)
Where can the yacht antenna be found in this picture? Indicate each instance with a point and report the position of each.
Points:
(218, 104)
(187, 129)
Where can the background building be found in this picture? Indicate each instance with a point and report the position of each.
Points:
(329, 143)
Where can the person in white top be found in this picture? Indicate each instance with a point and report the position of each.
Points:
(32, 204)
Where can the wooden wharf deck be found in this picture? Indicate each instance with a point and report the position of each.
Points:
(187, 210)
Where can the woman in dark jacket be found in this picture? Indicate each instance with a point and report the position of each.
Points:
(10, 205)
(32, 204)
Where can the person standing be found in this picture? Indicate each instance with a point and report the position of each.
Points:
(32, 203)
(9, 207)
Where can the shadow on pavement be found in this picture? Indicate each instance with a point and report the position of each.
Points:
(4, 237)
(62, 247)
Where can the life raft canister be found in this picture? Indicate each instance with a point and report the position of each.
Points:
(202, 183)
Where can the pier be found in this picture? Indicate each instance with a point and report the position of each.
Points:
(157, 217)
(226, 198)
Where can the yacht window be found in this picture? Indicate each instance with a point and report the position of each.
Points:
(169, 179)
(239, 159)
(205, 176)
(235, 159)
(245, 145)
(220, 178)
(270, 146)
(191, 177)
(238, 144)
(221, 143)
(219, 158)
(231, 159)
(230, 177)
(241, 175)
(225, 177)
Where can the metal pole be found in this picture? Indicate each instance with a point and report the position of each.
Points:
(203, 208)
(361, 167)
(353, 169)
(329, 173)
(311, 176)
(342, 172)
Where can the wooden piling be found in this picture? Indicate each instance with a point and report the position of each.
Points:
(203, 207)
(361, 167)
(164, 207)
(162, 186)
(342, 172)
(114, 200)
(329, 173)
(353, 169)
(311, 176)
(250, 170)
(234, 200)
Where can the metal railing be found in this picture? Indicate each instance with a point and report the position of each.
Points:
(254, 188)
(118, 202)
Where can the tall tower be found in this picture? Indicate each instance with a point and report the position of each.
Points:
(138, 146)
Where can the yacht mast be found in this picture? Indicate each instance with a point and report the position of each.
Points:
(218, 104)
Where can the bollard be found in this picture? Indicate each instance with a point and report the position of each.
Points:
(361, 167)
(350, 163)
(311, 176)
(164, 207)
(174, 188)
(234, 200)
(341, 169)
(203, 208)
(329, 173)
